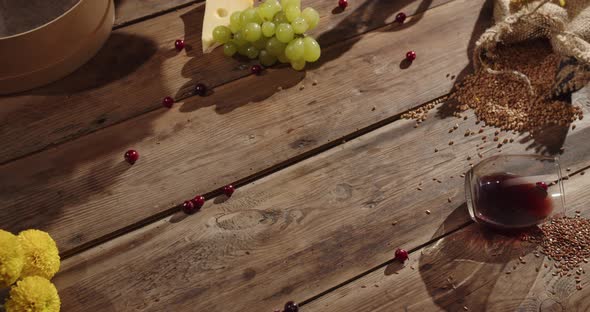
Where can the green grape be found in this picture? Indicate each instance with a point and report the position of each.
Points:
(286, 3)
(252, 32)
(268, 29)
(235, 20)
(239, 39)
(311, 16)
(294, 50)
(280, 18)
(243, 50)
(298, 64)
(276, 6)
(251, 52)
(234, 29)
(312, 50)
(230, 48)
(275, 47)
(250, 16)
(284, 33)
(260, 43)
(221, 34)
(299, 25)
(266, 58)
(283, 58)
(292, 12)
(266, 11)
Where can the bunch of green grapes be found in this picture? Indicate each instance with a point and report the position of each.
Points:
(273, 31)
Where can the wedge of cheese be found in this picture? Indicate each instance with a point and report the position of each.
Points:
(217, 12)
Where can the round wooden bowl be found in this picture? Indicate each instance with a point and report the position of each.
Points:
(56, 48)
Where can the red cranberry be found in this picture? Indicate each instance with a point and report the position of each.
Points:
(198, 201)
(168, 101)
(401, 255)
(179, 44)
(200, 89)
(291, 307)
(228, 190)
(256, 69)
(131, 156)
(410, 56)
(542, 185)
(400, 17)
(189, 207)
(343, 3)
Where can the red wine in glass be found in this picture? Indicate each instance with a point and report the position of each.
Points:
(507, 201)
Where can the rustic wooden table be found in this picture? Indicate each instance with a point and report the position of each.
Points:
(326, 170)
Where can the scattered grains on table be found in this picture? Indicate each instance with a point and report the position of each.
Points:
(566, 240)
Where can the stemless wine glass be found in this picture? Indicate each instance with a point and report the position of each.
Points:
(509, 192)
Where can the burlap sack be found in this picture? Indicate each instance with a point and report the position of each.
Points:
(566, 23)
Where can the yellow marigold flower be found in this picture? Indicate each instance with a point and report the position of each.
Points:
(41, 254)
(11, 259)
(33, 294)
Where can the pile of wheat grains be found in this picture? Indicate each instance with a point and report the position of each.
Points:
(505, 100)
(565, 240)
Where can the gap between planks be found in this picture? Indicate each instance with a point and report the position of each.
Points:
(412, 251)
(248, 179)
(185, 96)
(145, 17)
(577, 173)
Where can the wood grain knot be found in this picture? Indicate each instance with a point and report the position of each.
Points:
(342, 191)
(246, 219)
(303, 142)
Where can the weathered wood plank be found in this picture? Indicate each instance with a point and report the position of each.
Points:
(129, 11)
(295, 233)
(138, 66)
(83, 190)
(475, 262)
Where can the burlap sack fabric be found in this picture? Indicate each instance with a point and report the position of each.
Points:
(565, 23)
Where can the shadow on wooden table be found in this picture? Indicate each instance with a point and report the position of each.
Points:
(282, 76)
(484, 21)
(121, 55)
(353, 24)
(468, 269)
(63, 178)
(230, 95)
